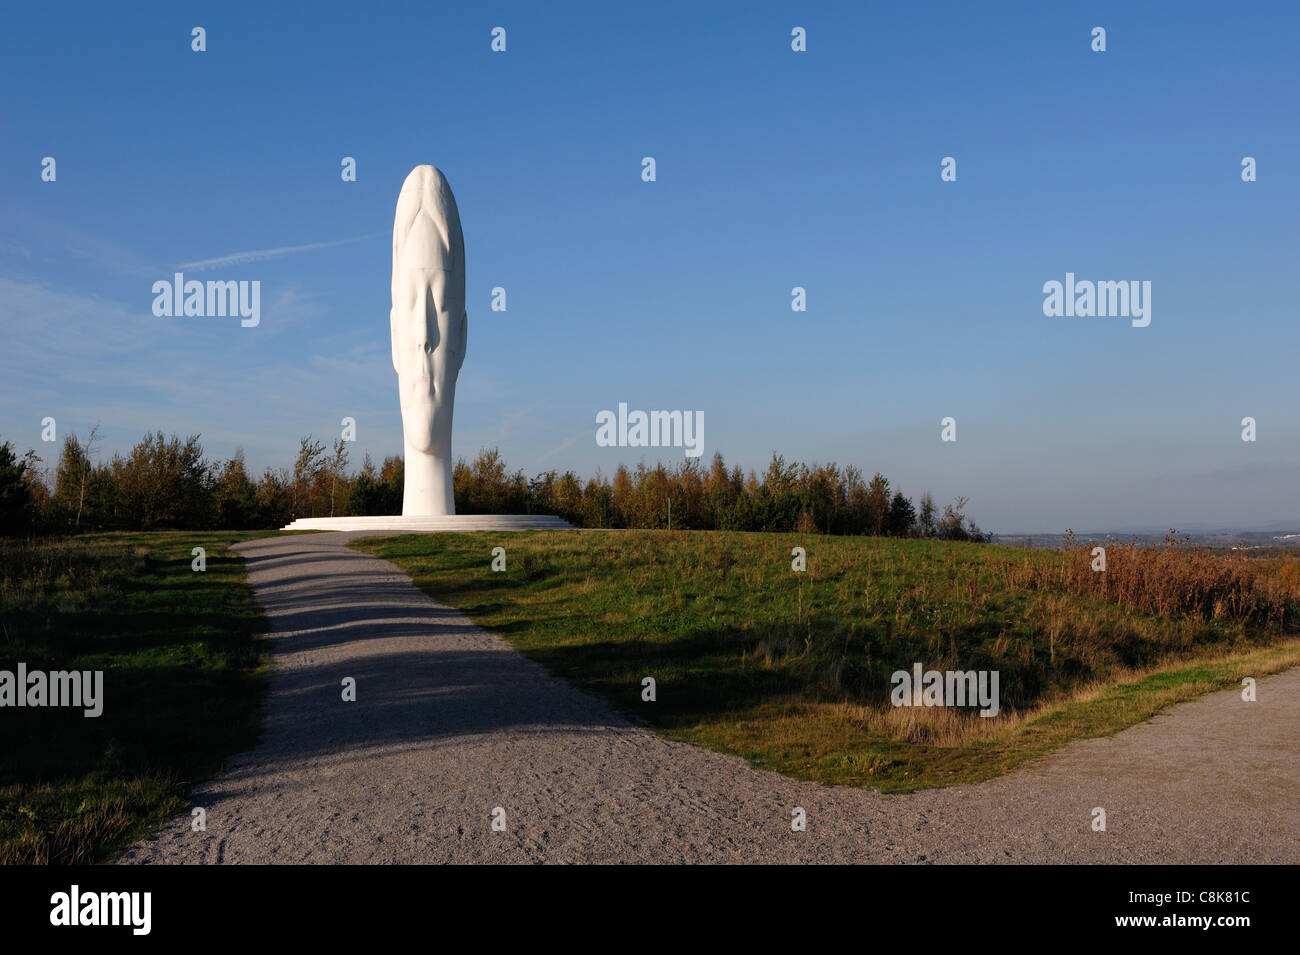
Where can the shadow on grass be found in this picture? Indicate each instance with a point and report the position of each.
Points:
(181, 658)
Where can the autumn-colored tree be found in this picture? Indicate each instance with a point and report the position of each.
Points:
(307, 467)
(74, 479)
(925, 518)
(234, 496)
(337, 469)
(877, 503)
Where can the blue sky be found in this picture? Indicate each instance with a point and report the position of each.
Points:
(775, 169)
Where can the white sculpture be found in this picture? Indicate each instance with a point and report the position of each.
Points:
(428, 323)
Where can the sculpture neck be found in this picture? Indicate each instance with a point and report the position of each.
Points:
(427, 489)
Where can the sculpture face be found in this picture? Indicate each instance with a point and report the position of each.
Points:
(429, 326)
(428, 349)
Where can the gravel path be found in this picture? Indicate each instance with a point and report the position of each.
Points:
(450, 722)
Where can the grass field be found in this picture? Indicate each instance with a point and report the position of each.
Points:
(182, 663)
(791, 670)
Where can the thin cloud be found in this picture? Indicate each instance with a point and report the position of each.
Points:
(568, 442)
(259, 255)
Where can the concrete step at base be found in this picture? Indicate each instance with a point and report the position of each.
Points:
(458, 523)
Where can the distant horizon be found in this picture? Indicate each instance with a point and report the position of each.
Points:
(1283, 527)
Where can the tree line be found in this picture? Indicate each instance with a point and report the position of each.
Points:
(166, 482)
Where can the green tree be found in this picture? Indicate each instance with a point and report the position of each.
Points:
(902, 515)
(365, 493)
(234, 496)
(16, 482)
(163, 482)
(274, 498)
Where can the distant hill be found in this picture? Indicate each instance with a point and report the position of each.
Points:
(1275, 534)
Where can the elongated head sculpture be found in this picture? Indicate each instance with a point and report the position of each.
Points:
(429, 325)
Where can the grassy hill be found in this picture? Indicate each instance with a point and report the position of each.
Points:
(792, 670)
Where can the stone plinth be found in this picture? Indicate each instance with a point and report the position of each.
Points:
(446, 523)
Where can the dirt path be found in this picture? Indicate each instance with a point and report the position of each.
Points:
(450, 722)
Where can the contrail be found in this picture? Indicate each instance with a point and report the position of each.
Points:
(260, 254)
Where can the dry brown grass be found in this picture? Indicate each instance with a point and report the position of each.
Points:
(1177, 580)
